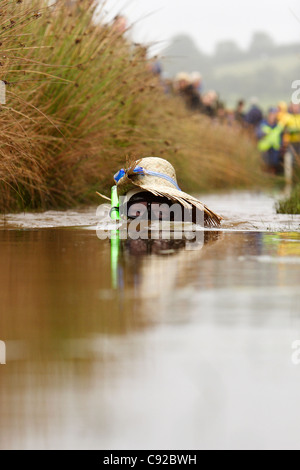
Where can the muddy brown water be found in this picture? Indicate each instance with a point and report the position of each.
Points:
(151, 345)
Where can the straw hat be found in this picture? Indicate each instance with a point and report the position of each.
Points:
(158, 177)
(183, 77)
(196, 77)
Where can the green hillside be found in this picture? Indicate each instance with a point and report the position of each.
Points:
(280, 63)
(265, 70)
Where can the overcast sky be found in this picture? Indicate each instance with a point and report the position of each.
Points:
(209, 21)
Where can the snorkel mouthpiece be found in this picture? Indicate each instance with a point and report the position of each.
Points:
(115, 238)
(115, 204)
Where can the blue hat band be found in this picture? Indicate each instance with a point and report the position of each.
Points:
(141, 171)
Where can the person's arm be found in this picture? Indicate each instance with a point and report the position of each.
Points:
(260, 132)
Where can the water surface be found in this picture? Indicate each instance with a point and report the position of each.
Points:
(151, 345)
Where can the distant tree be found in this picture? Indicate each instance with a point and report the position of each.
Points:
(183, 54)
(256, 72)
(227, 51)
(261, 43)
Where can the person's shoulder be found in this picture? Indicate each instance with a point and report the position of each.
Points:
(290, 118)
(284, 119)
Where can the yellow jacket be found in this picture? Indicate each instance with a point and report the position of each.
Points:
(293, 127)
(283, 118)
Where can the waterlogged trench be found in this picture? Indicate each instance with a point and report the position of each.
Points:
(151, 345)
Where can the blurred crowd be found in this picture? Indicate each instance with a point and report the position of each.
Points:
(190, 88)
(279, 133)
(276, 132)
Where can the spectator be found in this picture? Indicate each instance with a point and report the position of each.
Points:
(120, 24)
(156, 68)
(210, 104)
(197, 82)
(270, 134)
(254, 116)
(186, 90)
(192, 98)
(293, 127)
(182, 80)
(239, 114)
(283, 118)
(283, 114)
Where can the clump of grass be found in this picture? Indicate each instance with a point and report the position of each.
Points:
(80, 97)
(292, 204)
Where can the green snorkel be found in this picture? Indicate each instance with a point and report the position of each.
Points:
(115, 238)
(115, 204)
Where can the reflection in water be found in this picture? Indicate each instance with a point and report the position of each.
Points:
(158, 267)
(166, 259)
(162, 246)
(190, 349)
